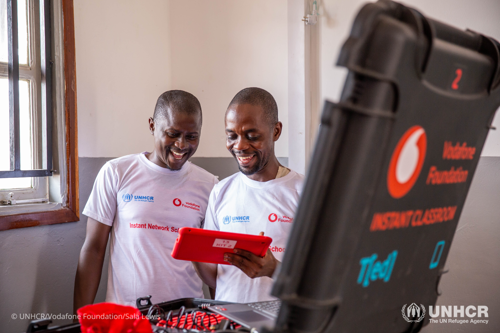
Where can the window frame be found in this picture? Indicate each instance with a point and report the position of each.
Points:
(69, 212)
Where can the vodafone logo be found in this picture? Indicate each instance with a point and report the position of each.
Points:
(191, 205)
(280, 218)
(406, 162)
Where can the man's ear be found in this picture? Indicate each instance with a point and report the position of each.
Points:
(278, 127)
(152, 125)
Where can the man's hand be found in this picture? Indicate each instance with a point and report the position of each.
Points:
(252, 265)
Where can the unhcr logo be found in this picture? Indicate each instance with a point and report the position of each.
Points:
(130, 197)
(145, 198)
(414, 313)
(127, 197)
(447, 314)
(228, 219)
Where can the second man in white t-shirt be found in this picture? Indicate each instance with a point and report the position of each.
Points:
(262, 197)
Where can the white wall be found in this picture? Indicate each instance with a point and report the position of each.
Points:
(337, 16)
(128, 53)
(122, 65)
(219, 47)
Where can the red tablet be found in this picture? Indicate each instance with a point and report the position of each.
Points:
(209, 245)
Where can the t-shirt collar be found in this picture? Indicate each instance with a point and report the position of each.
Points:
(272, 182)
(185, 168)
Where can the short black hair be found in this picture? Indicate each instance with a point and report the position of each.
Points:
(258, 97)
(178, 101)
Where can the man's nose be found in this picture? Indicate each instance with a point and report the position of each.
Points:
(181, 142)
(240, 144)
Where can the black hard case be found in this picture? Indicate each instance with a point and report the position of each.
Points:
(402, 69)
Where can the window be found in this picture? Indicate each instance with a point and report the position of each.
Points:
(25, 84)
(43, 137)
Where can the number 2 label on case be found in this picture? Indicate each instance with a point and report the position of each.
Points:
(454, 84)
(224, 243)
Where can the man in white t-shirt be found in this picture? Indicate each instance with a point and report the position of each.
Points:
(141, 201)
(262, 198)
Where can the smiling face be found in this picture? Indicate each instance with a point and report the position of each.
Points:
(250, 139)
(176, 137)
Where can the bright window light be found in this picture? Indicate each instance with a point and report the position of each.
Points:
(22, 17)
(25, 137)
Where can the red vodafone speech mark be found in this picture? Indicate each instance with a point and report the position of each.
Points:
(177, 202)
(454, 85)
(406, 162)
(273, 217)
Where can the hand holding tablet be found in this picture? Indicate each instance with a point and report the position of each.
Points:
(209, 245)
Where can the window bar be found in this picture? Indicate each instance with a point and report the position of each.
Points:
(13, 68)
(46, 68)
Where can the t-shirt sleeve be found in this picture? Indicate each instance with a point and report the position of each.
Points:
(101, 205)
(210, 222)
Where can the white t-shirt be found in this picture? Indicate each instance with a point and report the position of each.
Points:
(146, 205)
(239, 204)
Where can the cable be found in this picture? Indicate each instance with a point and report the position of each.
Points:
(203, 322)
(155, 308)
(194, 319)
(211, 314)
(169, 316)
(181, 311)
